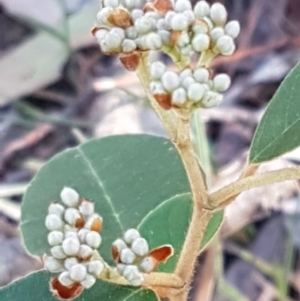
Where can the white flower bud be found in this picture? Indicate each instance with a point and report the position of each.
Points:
(71, 246)
(58, 252)
(218, 14)
(202, 9)
(217, 33)
(95, 267)
(113, 41)
(53, 222)
(211, 99)
(131, 235)
(157, 88)
(120, 268)
(82, 233)
(182, 5)
(53, 265)
(71, 233)
(140, 245)
(93, 239)
(195, 92)
(100, 34)
(70, 261)
(132, 274)
(87, 208)
(136, 13)
(221, 82)
(153, 41)
(162, 24)
(128, 45)
(143, 25)
(179, 22)
(88, 281)
(225, 45)
(233, 29)
(64, 279)
(118, 31)
(147, 265)
(131, 33)
(165, 36)
(178, 98)
(127, 256)
(201, 75)
(104, 47)
(170, 81)
(69, 197)
(209, 23)
(187, 82)
(85, 252)
(157, 69)
(187, 50)
(201, 42)
(189, 14)
(72, 215)
(57, 209)
(119, 244)
(78, 272)
(130, 4)
(103, 15)
(183, 40)
(55, 238)
(111, 3)
(200, 28)
(169, 16)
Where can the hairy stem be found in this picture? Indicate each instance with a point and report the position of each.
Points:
(163, 279)
(218, 198)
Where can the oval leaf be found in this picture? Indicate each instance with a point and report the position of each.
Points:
(35, 287)
(279, 130)
(126, 176)
(168, 224)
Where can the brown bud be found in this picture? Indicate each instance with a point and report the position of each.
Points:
(79, 223)
(97, 225)
(94, 30)
(120, 18)
(148, 7)
(163, 6)
(164, 100)
(115, 253)
(63, 292)
(130, 60)
(162, 254)
(175, 35)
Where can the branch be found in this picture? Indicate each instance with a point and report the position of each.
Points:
(220, 197)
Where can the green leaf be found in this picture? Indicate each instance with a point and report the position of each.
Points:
(126, 176)
(35, 287)
(168, 224)
(279, 130)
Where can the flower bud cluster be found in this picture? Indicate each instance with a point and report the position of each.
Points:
(188, 89)
(73, 237)
(132, 256)
(125, 26)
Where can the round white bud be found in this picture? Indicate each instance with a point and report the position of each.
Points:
(57, 209)
(211, 99)
(87, 208)
(143, 25)
(182, 5)
(58, 252)
(221, 82)
(157, 88)
(136, 13)
(162, 24)
(185, 73)
(95, 267)
(120, 268)
(165, 36)
(140, 247)
(189, 14)
(233, 29)
(179, 22)
(132, 274)
(169, 16)
(103, 15)
(119, 244)
(217, 33)
(157, 69)
(138, 280)
(187, 50)
(69, 197)
(153, 41)
(55, 238)
(71, 233)
(201, 42)
(82, 233)
(127, 256)
(200, 28)
(128, 45)
(64, 279)
(218, 14)
(147, 265)
(53, 265)
(100, 34)
(201, 75)
(53, 222)
(113, 41)
(183, 40)
(72, 215)
(111, 3)
(187, 82)
(71, 246)
(225, 45)
(118, 31)
(131, 235)
(88, 281)
(78, 272)
(170, 80)
(178, 98)
(85, 252)
(209, 23)
(195, 92)
(131, 33)
(70, 261)
(130, 4)
(202, 9)
(93, 239)
(141, 43)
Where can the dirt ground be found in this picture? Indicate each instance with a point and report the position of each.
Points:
(79, 93)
